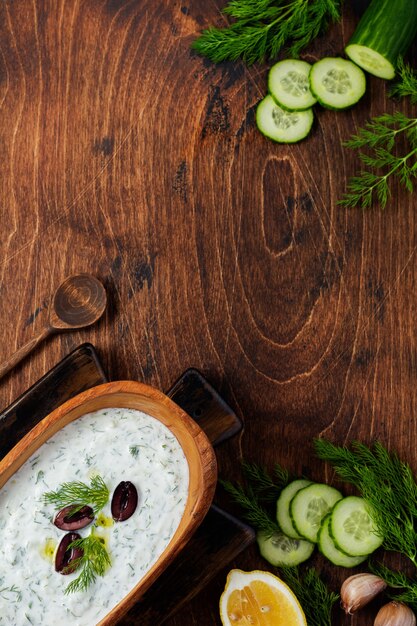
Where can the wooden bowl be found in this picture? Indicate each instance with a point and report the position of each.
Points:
(196, 447)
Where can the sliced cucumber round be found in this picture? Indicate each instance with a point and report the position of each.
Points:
(278, 549)
(328, 549)
(283, 507)
(282, 126)
(337, 83)
(289, 85)
(309, 506)
(352, 529)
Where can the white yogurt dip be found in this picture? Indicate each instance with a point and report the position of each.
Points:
(119, 445)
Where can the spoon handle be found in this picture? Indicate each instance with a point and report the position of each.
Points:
(22, 352)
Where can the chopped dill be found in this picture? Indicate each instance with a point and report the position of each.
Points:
(5, 591)
(134, 451)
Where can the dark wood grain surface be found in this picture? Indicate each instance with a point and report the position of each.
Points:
(125, 155)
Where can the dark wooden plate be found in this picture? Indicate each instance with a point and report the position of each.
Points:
(218, 540)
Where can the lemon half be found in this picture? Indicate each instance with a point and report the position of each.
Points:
(259, 599)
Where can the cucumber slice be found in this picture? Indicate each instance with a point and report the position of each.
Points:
(278, 549)
(337, 83)
(328, 549)
(282, 126)
(283, 507)
(370, 60)
(352, 528)
(384, 33)
(309, 506)
(289, 85)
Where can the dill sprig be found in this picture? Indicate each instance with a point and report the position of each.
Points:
(94, 562)
(381, 161)
(263, 27)
(79, 494)
(379, 137)
(386, 483)
(264, 487)
(254, 513)
(261, 488)
(406, 84)
(314, 596)
(397, 580)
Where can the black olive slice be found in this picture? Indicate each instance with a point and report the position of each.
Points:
(124, 501)
(65, 520)
(65, 558)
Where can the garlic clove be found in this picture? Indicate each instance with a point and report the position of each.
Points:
(395, 614)
(360, 589)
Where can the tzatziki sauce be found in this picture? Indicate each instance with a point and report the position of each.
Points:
(118, 444)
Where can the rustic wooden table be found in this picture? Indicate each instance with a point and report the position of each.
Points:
(125, 155)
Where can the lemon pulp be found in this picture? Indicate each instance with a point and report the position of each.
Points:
(259, 599)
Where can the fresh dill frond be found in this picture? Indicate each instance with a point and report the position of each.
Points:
(386, 483)
(254, 513)
(394, 579)
(406, 85)
(397, 580)
(263, 27)
(264, 487)
(315, 598)
(94, 562)
(380, 137)
(79, 494)
(282, 476)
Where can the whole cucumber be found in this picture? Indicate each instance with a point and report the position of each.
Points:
(384, 33)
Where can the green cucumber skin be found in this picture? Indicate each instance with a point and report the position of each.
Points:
(281, 141)
(333, 554)
(333, 535)
(387, 27)
(329, 107)
(319, 98)
(289, 528)
(293, 517)
(337, 546)
(290, 559)
(276, 97)
(298, 110)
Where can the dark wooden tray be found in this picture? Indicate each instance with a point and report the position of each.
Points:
(218, 540)
(79, 371)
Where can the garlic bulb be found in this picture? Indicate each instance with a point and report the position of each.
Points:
(360, 589)
(395, 614)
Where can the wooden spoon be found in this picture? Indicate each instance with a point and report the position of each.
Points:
(78, 302)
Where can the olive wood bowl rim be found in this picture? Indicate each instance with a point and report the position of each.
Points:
(200, 457)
